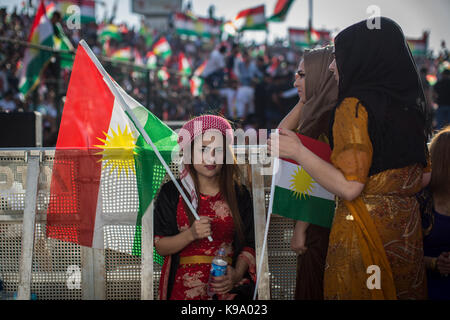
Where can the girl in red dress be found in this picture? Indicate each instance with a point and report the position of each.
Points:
(226, 214)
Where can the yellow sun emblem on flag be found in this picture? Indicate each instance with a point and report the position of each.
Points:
(302, 183)
(118, 151)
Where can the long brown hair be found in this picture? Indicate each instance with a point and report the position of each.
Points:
(440, 163)
(229, 181)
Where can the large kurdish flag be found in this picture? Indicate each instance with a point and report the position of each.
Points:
(296, 195)
(35, 60)
(104, 174)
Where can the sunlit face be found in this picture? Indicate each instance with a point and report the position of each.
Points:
(333, 68)
(208, 156)
(299, 82)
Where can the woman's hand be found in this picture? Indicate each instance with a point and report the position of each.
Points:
(224, 284)
(298, 240)
(201, 228)
(288, 145)
(443, 263)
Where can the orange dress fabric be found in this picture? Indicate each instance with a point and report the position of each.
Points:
(381, 227)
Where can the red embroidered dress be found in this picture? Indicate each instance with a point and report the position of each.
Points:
(191, 279)
(181, 281)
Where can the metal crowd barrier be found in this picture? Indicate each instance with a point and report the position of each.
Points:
(31, 263)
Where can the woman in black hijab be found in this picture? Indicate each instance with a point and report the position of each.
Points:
(378, 135)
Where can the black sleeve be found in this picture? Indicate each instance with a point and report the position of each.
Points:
(165, 211)
(245, 204)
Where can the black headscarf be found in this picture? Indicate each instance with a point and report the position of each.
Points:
(376, 66)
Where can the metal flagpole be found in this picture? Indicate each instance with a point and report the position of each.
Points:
(138, 125)
(276, 165)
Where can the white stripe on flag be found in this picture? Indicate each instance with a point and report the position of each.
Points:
(285, 176)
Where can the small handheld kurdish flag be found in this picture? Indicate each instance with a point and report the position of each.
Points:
(296, 195)
(105, 174)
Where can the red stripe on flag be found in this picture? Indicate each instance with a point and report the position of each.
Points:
(251, 11)
(77, 168)
(319, 148)
(37, 19)
(280, 6)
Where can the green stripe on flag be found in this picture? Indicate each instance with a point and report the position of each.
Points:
(314, 210)
(150, 172)
(36, 66)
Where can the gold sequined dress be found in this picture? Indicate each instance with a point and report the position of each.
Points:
(378, 234)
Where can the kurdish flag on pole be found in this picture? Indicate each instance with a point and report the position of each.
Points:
(281, 10)
(102, 164)
(295, 195)
(35, 60)
(251, 19)
(162, 48)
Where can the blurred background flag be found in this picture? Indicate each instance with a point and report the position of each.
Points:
(184, 66)
(162, 48)
(251, 19)
(151, 60)
(281, 10)
(109, 31)
(35, 60)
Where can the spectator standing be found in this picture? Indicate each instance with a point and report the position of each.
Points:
(215, 68)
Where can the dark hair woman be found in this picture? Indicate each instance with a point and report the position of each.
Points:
(318, 93)
(378, 137)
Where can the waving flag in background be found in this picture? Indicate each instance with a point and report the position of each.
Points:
(162, 48)
(280, 11)
(251, 19)
(35, 60)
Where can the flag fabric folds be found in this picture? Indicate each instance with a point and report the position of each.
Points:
(305, 38)
(35, 60)
(190, 25)
(280, 11)
(251, 19)
(104, 173)
(296, 195)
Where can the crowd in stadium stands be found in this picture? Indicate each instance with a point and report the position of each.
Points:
(250, 84)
